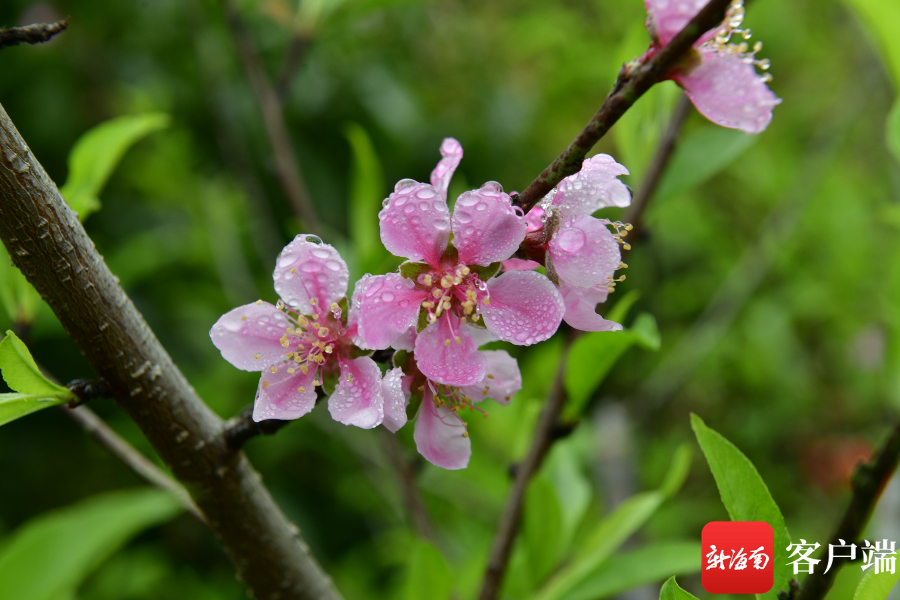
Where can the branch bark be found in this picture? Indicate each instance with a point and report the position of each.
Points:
(31, 34)
(48, 244)
(633, 81)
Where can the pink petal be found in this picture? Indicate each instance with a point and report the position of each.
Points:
(481, 336)
(534, 219)
(439, 437)
(449, 363)
(594, 187)
(517, 264)
(249, 331)
(415, 222)
(668, 17)
(395, 400)
(486, 229)
(727, 90)
(525, 308)
(406, 341)
(580, 308)
(357, 399)
(279, 397)
(385, 307)
(306, 270)
(452, 153)
(502, 381)
(584, 252)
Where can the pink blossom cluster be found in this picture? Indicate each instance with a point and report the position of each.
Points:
(484, 273)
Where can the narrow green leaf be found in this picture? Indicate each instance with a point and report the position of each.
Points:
(671, 591)
(892, 130)
(645, 332)
(485, 273)
(700, 156)
(678, 471)
(97, 153)
(21, 373)
(619, 312)
(14, 406)
(427, 575)
(366, 194)
(48, 557)
(542, 528)
(19, 298)
(411, 270)
(630, 569)
(876, 587)
(744, 494)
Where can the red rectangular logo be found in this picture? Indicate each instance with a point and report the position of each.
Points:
(737, 557)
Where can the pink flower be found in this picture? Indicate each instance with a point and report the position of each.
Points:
(441, 434)
(721, 80)
(448, 287)
(579, 252)
(302, 341)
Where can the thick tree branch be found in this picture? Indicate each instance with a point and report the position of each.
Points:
(272, 114)
(48, 244)
(544, 436)
(868, 483)
(634, 80)
(31, 34)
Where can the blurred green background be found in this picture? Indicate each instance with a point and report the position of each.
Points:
(771, 265)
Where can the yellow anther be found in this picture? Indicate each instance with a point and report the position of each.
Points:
(315, 325)
(463, 320)
(447, 342)
(432, 318)
(302, 320)
(316, 382)
(421, 388)
(291, 370)
(334, 306)
(301, 389)
(626, 246)
(265, 384)
(436, 293)
(312, 301)
(475, 317)
(427, 280)
(457, 280)
(243, 318)
(284, 341)
(259, 302)
(486, 301)
(350, 378)
(304, 369)
(328, 349)
(628, 226)
(465, 271)
(323, 331)
(257, 356)
(490, 376)
(611, 289)
(273, 368)
(465, 434)
(293, 270)
(427, 304)
(458, 340)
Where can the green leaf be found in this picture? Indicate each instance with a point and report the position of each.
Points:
(19, 298)
(619, 312)
(485, 273)
(366, 194)
(744, 494)
(645, 332)
(97, 153)
(700, 156)
(14, 406)
(21, 373)
(678, 471)
(542, 528)
(48, 557)
(876, 587)
(892, 130)
(634, 568)
(671, 591)
(411, 270)
(427, 574)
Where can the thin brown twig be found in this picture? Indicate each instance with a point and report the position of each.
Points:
(407, 480)
(37, 33)
(103, 434)
(292, 59)
(272, 114)
(633, 81)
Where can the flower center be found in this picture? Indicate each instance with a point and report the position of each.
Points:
(455, 401)
(454, 290)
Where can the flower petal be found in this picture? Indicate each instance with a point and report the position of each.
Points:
(594, 187)
(357, 399)
(584, 252)
(452, 153)
(406, 341)
(580, 308)
(729, 92)
(667, 17)
(306, 270)
(415, 222)
(439, 437)
(449, 363)
(517, 264)
(502, 381)
(534, 219)
(249, 331)
(486, 228)
(279, 397)
(385, 307)
(395, 400)
(525, 308)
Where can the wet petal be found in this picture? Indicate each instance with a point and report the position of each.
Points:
(284, 395)
(729, 92)
(449, 363)
(439, 437)
(584, 252)
(486, 228)
(306, 270)
(517, 264)
(357, 399)
(594, 187)
(385, 307)
(525, 308)
(502, 381)
(667, 17)
(415, 222)
(580, 308)
(452, 153)
(481, 336)
(406, 341)
(395, 400)
(534, 219)
(250, 331)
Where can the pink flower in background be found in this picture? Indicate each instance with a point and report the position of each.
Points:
(722, 82)
(579, 251)
(441, 434)
(302, 340)
(449, 285)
